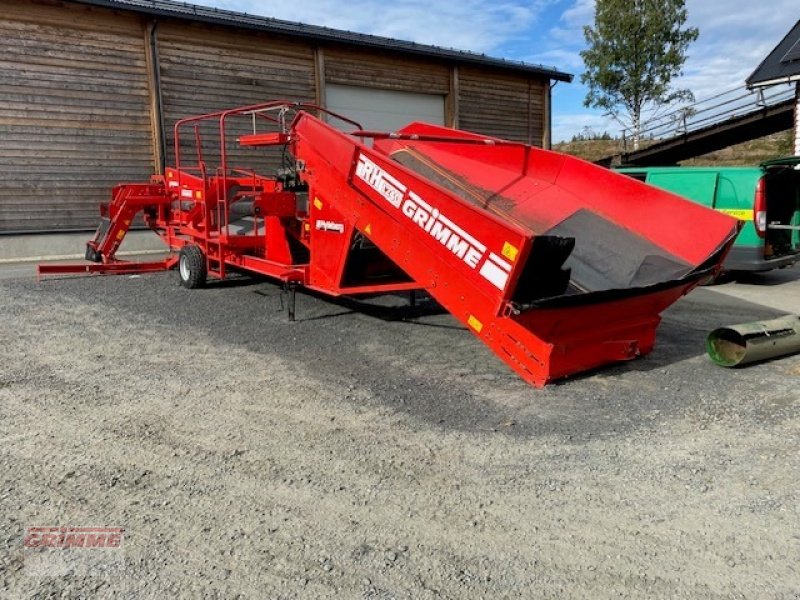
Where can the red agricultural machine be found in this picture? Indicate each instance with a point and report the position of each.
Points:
(556, 264)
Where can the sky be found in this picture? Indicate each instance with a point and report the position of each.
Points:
(735, 35)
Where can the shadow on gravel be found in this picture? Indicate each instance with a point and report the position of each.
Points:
(424, 307)
(386, 307)
(438, 373)
(686, 325)
(767, 279)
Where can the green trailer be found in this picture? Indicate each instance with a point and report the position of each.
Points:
(766, 198)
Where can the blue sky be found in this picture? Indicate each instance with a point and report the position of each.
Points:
(735, 35)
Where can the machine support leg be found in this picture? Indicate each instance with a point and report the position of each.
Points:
(292, 289)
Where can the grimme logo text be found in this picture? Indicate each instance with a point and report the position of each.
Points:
(73, 537)
(463, 245)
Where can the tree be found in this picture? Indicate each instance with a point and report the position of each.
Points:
(635, 49)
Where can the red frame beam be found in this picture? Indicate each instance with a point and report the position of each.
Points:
(121, 267)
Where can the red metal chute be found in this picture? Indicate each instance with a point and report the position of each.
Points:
(558, 265)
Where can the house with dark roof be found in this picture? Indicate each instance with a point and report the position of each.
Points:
(782, 67)
(92, 89)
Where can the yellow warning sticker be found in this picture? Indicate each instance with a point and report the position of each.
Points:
(743, 214)
(510, 251)
(317, 203)
(475, 323)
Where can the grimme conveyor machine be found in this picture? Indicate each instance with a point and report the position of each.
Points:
(556, 264)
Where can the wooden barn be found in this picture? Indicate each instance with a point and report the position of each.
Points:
(91, 88)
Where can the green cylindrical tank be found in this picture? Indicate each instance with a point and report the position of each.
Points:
(738, 345)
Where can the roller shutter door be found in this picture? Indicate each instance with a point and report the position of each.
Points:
(385, 110)
(74, 114)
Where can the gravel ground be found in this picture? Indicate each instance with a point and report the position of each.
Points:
(376, 451)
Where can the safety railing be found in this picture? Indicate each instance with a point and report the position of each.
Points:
(710, 111)
(278, 113)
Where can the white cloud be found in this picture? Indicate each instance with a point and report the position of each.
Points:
(565, 39)
(567, 125)
(735, 35)
(562, 58)
(579, 14)
(475, 25)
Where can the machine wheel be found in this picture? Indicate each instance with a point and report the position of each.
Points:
(192, 267)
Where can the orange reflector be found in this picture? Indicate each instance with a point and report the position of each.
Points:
(475, 323)
(510, 251)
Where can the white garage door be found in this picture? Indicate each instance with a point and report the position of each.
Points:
(383, 110)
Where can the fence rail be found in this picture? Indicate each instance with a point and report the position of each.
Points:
(705, 113)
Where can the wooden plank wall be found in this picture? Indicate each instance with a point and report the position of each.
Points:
(206, 69)
(81, 99)
(74, 115)
(346, 66)
(502, 105)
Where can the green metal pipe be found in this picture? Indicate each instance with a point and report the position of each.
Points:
(746, 343)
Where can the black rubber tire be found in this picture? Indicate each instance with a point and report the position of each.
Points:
(192, 267)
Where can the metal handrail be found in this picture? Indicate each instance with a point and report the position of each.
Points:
(255, 110)
(706, 112)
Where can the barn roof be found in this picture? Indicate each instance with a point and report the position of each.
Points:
(782, 65)
(204, 14)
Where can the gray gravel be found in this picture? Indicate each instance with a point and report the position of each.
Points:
(378, 451)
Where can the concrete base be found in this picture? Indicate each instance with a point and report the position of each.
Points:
(57, 246)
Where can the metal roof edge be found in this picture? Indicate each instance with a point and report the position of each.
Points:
(215, 16)
(749, 81)
(777, 81)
